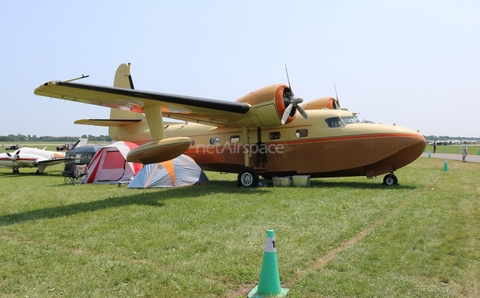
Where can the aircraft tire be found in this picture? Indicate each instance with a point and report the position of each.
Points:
(248, 177)
(390, 180)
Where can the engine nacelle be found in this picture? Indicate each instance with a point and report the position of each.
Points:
(322, 103)
(268, 105)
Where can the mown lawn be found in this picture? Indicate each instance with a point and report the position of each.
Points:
(340, 237)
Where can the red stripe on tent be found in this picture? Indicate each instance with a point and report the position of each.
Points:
(113, 160)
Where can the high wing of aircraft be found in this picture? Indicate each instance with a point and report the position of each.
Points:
(27, 157)
(258, 134)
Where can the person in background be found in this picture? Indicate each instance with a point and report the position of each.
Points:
(434, 146)
(464, 151)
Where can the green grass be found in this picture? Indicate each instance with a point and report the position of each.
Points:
(340, 237)
(454, 149)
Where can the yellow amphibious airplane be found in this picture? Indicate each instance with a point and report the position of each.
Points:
(258, 134)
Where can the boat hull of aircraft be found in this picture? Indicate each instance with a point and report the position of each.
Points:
(334, 158)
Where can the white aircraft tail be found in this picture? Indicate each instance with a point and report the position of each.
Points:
(80, 142)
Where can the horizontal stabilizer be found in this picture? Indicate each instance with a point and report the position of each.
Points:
(107, 122)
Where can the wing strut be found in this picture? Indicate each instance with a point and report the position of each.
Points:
(153, 113)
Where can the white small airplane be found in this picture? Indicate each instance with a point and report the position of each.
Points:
(256, 135)
(27, 157)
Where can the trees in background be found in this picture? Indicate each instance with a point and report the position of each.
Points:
(34, 138)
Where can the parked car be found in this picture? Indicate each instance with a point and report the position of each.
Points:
(12, 147)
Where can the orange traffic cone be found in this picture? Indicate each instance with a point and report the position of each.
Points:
(269, 283)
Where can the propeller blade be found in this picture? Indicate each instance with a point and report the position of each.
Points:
(302, 112)
(336, 95)
(286, 113)
(297, 100)
(294, 102)
(288, 79)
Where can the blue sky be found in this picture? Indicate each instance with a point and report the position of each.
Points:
(413, 63)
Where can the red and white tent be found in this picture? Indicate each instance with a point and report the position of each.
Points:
(109, 165)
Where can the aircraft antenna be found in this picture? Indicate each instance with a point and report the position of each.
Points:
(79, 78)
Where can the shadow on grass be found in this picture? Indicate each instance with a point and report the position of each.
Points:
(154, 198)
(29, 174)
(158, 197)
(357, 185)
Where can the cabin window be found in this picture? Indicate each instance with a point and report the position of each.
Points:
(234, 139)
(300, 133)
(350, 120)
(214, 141)
(334, 122)
(274, 135)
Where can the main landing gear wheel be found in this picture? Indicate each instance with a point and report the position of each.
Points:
(390, 180)
(248, 177)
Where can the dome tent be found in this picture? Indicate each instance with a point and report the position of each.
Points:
(109, 165)
(178, 172)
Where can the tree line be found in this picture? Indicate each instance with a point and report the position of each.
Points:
(443, 138)
(66, 139)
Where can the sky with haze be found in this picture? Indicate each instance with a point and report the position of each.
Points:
(413, 63)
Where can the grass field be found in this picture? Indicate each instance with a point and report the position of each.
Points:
(454, 149)
(342, 237)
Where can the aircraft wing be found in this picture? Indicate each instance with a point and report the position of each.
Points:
(187, 108)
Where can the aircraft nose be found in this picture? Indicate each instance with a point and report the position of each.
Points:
(413, 146)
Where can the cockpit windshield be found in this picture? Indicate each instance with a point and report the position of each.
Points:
(334, 122)
(341, 121)
(350, 120)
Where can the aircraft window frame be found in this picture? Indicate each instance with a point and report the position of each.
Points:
(234, 139)
(301, 133)
(334, 122)
(350, 120)
(214, 141)
(274, 135)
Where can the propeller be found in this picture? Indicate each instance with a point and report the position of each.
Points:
(292, 102)
(14, 157)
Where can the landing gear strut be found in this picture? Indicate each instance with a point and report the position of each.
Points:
(390, 179)
(248, 177)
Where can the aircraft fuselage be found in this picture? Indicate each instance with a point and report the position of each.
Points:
(314, 147)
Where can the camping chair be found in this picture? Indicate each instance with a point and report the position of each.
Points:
(73, 173)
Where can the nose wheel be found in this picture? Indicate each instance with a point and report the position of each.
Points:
(248, 177)
(390, 179)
